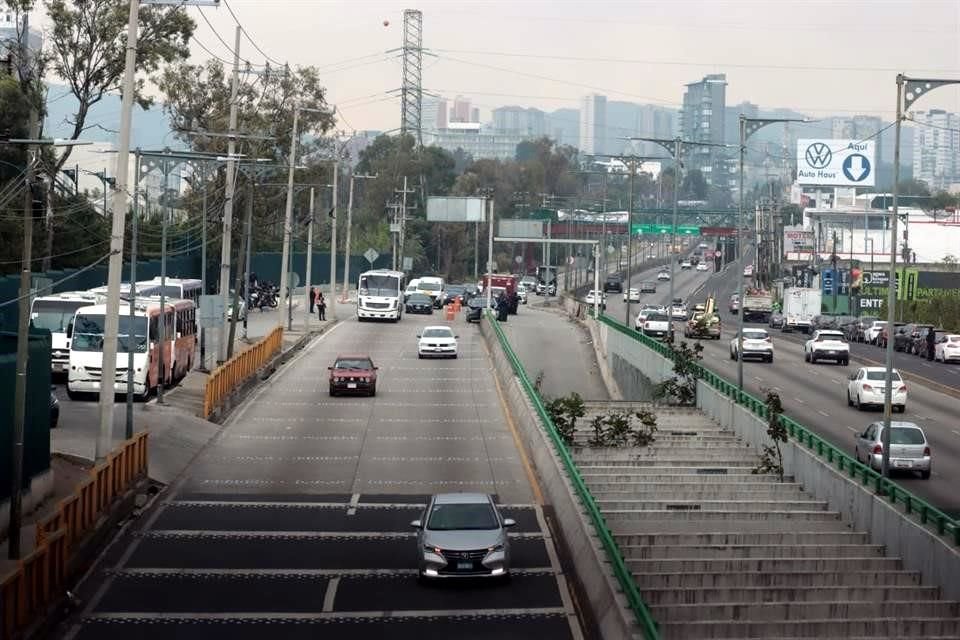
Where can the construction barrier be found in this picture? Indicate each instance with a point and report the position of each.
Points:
(231, 374)
(27, 591)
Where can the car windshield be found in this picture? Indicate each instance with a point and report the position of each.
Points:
(455, 289)
(754, 335)
(55, 315)
(906, 435)
(429, 286)
(882, 375)
(460, 517)
(88, 334)
(437, 332)
(379, 285)
(353, 363)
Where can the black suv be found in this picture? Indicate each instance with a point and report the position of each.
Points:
(613, 283)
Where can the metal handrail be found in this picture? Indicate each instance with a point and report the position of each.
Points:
(913, 506)
(620, 571)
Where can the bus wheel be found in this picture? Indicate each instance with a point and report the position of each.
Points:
(73, 395)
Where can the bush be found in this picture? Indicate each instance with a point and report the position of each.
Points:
(771, 459)
(681, 389)
(564, 413)
(617, 429)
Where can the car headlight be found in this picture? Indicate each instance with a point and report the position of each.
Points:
(495, 548)
(433, 549)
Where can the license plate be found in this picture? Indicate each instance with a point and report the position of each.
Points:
(464, 566)
(903, 464)
(351, 385)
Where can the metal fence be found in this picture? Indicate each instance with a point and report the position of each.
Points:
(232, 373)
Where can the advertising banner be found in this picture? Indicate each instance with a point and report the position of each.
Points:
(836, 163)
(451, 209)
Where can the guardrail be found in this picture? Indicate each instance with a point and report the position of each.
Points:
(913, 506)
(27, 591)
(620, 571)
(228, 376)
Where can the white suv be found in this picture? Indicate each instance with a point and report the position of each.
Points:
(867, 387)
(756, 344)
(827, 344)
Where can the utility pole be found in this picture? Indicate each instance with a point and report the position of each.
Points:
(165, 213)
(346, 247)
(203, 260)
(308, 272)
(633, 173)
(229, 192)
(403, 222)
(243, 267)
(288, 213)
(333, 240)
(131, 307)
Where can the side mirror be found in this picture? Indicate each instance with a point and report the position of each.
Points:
(419, 336)
(456, 336)
(852, 376)
(376, 368)
(329, 368)
(509, 522)
(416, 524)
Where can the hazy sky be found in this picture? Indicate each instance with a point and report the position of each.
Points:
(819, 57)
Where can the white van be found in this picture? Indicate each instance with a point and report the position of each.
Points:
(411, 288)
(431, 286)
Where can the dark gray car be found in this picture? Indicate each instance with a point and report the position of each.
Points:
(462, 535)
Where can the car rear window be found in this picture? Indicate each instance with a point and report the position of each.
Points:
(353, 363)
(657, 317)
(458, 517)
(906, 435)
(954, 339)
(754, 335)
(882, 375)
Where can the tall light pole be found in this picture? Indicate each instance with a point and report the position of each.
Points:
(909, 91)
(119, 206)
(748, 126)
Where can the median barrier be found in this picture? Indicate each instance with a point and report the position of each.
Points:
(925, 538)
(601, 571)
(38, 581)
(234, 372)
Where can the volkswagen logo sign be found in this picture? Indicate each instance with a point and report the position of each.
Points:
(819, 155)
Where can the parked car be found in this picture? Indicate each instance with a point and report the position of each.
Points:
(614, 282)
(648, 286)
(918, 346)
(872, 332)
(54, 409)
(824, 321)
(827, 344)
(904, 339)
(734, 304)
(437, 342)
(857, 331)
(748, 271)
(462, 535)
(884, 337)
(633, 295)
(757, 343)
(353, 374)
(909, 448)
(475, 305)
(947, 348)
(866, 387)
(419, 303)
(776, 320)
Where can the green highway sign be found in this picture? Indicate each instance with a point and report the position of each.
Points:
(682, 229)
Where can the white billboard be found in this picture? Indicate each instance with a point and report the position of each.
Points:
(509, 228)
(836, 163)
(453, 209)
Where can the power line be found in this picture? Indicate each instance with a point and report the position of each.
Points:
(60, 281)
(249, 38)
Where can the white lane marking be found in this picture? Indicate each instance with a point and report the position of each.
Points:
(561, 579)
(332, 615)
(800, 401)
(852, 429)
(823, 413)
(331, 594)
(343, 573)
(835, 380)
(927, 365)
(302, 535)
(777, 389)
(955, 432)
(758, 378)
(259, 436)
(280, 458)
(441, 459)
(354, 499)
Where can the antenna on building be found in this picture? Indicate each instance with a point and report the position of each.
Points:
(411, 100)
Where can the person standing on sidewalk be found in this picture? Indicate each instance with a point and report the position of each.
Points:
(313, 299)
(321, 305)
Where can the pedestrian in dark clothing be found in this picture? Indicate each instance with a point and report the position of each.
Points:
(313, 299)
(321, 306)
(931, 340)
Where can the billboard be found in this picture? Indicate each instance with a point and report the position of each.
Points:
(797, 242)
(452, 209)
(836, 163)
(510, 228)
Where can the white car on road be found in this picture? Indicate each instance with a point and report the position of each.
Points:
(656, 325)
(702, 266)
(756, 344)
(598, 297)
(748, 271)
(632, 295)
(873, 331)
(827, 344)
(437, 342)
(947, 348)
(686, 264)
(867, 386)
(645, 312)
(663, 275)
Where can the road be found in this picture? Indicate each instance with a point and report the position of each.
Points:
(294, 522)
(815, 395)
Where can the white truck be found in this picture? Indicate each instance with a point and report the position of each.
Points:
(800, 305)
(757, 306)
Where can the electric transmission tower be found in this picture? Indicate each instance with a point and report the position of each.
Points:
(411, 101)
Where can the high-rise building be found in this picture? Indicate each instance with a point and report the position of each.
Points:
(936, 148)
(702, 119)
(433, 114)
(593, 125)
(9, 34)
(563, 125)
(461, 111)
(474, 114)
(528, 122)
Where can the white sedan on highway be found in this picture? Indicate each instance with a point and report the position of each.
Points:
(947, 348)
(686, 264)
(663, 275)
(633, 295)
(867, 386)
(756, 344)
(827, 344)
(702, 266)
(645, 312)
(598, 297)
(437, 342)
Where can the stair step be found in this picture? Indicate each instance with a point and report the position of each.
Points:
(870, 627)
(644, 523)
(761, 565)
(671, 596)
(712, 537)
(650, 552)
(711, 506)
(794, 611)
(792, 579)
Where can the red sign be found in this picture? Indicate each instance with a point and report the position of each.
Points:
(717, 231)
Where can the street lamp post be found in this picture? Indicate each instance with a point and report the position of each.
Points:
(748, 126)
(909, 90)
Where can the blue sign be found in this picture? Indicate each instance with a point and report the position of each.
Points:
(856, 167)
(826, 281)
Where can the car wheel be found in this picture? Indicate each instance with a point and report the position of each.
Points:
(859, 403)
(846, 362)
(901, 408)
(770, 359)
(806, 357)
(925, 475)
(373, 390)
(420, 356)
(849, 399)
(731, 355)
(333, 392)
(73, 395)
(813, 359)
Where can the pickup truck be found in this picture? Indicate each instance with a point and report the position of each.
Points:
(656, 325)
(827, 344)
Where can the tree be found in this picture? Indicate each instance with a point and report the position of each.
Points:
(694, 186)
(771, 459)
(791, 214)
(913, 188)
(681, 388)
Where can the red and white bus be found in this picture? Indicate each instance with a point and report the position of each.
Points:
(141, 335)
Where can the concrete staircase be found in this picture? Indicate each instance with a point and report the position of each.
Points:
(718, 552)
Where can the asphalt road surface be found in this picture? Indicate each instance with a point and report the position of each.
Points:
(815, 395)
(295, 522)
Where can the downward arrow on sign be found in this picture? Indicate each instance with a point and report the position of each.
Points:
(857, 170)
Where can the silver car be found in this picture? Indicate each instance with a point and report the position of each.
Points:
(909, 448)
(462, 535)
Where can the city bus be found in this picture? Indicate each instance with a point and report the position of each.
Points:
(141, 335)
(54, 313)
(380, 295)
(183, 289)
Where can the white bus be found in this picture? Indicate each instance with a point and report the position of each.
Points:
(380, 295)
(183, 289)
(55, 314)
